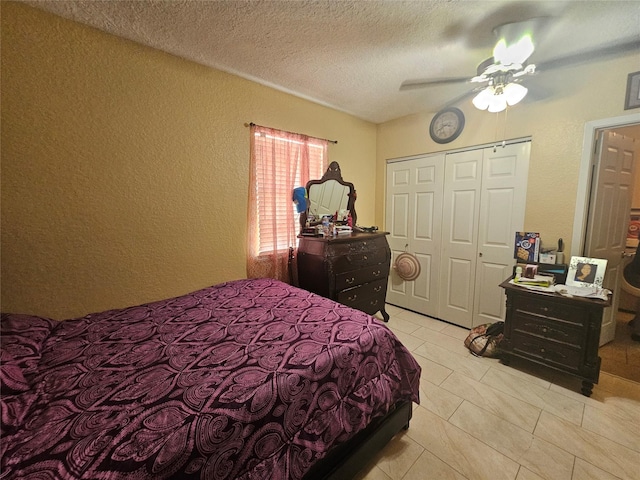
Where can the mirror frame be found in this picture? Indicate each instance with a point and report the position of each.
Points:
(333, 173)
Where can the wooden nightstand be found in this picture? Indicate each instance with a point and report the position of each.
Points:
(559, 332)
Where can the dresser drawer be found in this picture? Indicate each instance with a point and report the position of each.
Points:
(363, 293)
(373, 245)
(363, 275)
(551, 353)
(555, 330)
(371, 305)
(560, 311)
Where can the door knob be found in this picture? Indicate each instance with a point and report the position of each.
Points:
(480, 254)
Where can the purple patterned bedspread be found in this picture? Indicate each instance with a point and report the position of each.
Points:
(251, 379)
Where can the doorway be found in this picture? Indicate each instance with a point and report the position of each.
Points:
(619, 353)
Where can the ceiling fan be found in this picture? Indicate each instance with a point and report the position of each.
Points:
(499, 78)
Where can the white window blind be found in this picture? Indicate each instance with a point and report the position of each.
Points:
(282, 163)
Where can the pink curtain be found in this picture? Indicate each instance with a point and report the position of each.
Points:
(280, 162)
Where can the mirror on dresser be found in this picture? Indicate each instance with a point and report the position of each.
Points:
(329, 195)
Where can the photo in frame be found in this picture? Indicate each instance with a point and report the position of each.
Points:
(586, 272)
(632, 97)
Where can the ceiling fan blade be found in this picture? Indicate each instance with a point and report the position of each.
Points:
(589, 55)
(414, 84)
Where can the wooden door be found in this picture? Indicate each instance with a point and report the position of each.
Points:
(614, 166)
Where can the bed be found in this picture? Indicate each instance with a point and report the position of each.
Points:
(249, 379)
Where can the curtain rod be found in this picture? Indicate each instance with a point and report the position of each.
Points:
(251, 124)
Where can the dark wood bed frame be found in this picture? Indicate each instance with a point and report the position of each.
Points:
(346, 460)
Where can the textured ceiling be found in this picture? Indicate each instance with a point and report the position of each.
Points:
(353, 55)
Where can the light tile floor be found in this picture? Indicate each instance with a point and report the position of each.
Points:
(481, 420)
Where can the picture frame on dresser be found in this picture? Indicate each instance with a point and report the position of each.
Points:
(586, 272)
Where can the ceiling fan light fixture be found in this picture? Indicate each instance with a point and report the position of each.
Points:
(496, 98)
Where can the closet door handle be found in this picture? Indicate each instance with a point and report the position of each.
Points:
(480, 254)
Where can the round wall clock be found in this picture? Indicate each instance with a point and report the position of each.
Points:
(446, 125)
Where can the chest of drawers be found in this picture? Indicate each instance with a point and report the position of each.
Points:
(559, 332)
(351, 269)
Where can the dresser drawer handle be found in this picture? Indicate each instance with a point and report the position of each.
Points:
(365, 257)
(373, 303)
(542, 350)
(378, 288)
(350, 280)
(351, 299)
(545, 309)
(544, 330)
(376, 273)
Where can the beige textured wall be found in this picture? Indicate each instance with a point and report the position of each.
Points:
(556, 124)
(125, 169)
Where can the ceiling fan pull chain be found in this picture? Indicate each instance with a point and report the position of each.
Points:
(504, 131)
(495, 145)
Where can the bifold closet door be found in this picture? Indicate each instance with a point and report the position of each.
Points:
(484, 204)
(413, 219)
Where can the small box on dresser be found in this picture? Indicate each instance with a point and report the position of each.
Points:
(351, 269)
(559, 332)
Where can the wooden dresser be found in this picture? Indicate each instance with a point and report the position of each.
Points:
(351, 269)
(556, 331)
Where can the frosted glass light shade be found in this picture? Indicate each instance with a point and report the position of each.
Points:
(498, 103)
(514, 92)
(481, 100)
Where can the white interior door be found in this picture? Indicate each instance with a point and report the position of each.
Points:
(608, 218)
(502, 206)
(461, 208)
(413, 218)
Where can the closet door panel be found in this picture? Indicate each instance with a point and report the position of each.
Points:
(503, 199)
(422, 288)
(421, 179)
(398, 228)
(458, 295)
(425, 237)
(460, 236)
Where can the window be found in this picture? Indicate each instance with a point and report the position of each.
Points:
(280, 162)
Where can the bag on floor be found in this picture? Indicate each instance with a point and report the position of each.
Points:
(484, 340)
